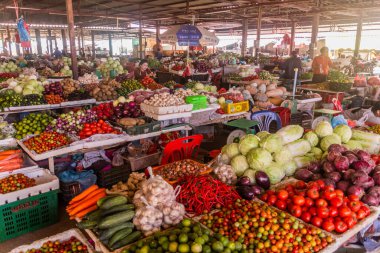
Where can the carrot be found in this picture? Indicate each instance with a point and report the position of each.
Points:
(92, 194)
(83, 194)
(81, 214)
(6, 157)
(11, 165)
(10, 152)
(87, 204)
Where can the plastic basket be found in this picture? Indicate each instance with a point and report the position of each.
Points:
(110, 177)
(149, 127)
(26, 215)
(236, 107)
(198, 102)
(141, 162)
(69, 190)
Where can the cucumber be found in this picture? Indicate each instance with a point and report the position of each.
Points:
(118, 208)
(106, 234)
(94, 215)
(116, 219)
(102, 200)
(127, 240)
(119, 235)
(114, 201)
(87, 224)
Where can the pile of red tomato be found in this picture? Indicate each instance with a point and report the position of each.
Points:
(100, 127)
(319, 204)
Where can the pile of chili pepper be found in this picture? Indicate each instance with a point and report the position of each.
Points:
(204, 193)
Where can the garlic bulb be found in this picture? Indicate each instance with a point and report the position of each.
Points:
(164, 99)
(226, 174)
(137, 199)
(156, 191)
(173, 213)
(148, 219)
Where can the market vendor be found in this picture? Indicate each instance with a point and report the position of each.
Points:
(374, 117)
(142, 71)
(290, 64)
(321, 66)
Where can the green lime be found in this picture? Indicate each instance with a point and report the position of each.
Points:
(225, 241)
(217, 246)
(226, 251)
(231, 246)
(183, 248)
(192, 236)
(173, 246)
(238, 246)
(162, 239)
(144, 249)
(186, 230)
(186, 222)
(172, 238)
(183, 238)
(205, 238)
(153, 244)
(200, 240)
(165, 245)
(196, 248)
(206, 249)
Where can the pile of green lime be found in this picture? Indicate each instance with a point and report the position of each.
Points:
(186, 237)
(34, 123)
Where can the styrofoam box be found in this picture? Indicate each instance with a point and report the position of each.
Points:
(45, 182)
(166, 109)
(10, 142)
(64, 236)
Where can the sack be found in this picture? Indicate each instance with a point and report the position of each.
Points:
(117, 159)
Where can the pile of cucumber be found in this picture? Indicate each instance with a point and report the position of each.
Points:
(112, 221)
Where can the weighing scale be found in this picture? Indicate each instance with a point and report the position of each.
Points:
(245, 126)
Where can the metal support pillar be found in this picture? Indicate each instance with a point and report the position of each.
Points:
(50, 42)
(64, 42)
(9, 41)
(314, 35)
(258, 33)
(140, 35)
(93, 44)
(110, 44)
(70, 22)
(359, 29)
(38, 40)
(292, 37)
(244, 37)
(157, 31)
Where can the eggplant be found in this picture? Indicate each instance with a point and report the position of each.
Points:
(244, 181)
(262, 179)
(246, 192)
(303, 174)
(257, 190)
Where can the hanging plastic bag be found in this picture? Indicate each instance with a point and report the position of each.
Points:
(84, 178)
(148, 219)
(369, 237)
(338, 120)
(117, 159)
(173, 212)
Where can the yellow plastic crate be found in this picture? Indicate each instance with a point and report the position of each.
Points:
(236, 107)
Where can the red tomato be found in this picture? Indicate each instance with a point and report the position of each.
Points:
(308, 202)
(316, 221)
(264, 197)
(282, 194)
(328, 226)
(360, 214)
(329, 219)
(323, 212)
(270, 192)
(280, 204)
(353, 197)
(366, 210)
(340, 227)
(272, 199)
(329, 193)
(296, 211)
(344, 211)
(354, 205)
(313, 211)
(306, 217)
(321, 183)
(313, 193)
(300, 185)
(313, 185)
(350, 221)
(298, 200)
(339, 193)
(333, 212)
(336, 201)
(320, 202)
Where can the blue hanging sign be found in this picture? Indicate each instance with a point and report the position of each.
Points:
(188, 35)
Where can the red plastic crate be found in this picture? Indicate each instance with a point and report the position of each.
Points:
(284, 114)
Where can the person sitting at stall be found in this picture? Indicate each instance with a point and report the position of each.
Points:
(142, 71)
(321, 66)
(290, 64)
(157, 50)
(57, 54)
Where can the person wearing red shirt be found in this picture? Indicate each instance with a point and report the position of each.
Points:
(321, 66)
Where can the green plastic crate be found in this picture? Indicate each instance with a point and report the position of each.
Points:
(198, 101)
(26, 215)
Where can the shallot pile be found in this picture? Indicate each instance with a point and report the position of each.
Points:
(164, 99)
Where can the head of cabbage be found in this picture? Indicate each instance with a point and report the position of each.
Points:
(289, 168)
(261, 135)
(239, 164)
(272, 143)
(251, 174)
(247, 143)
(259, 158)
(353, 144)
(317, 152)
(328, 140)
(344, 132)
(231, 150)
(312, 138)
(282, 156)
(290, 133)
(275, 173)
(323, 129)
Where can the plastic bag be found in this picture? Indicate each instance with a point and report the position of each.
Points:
(117, 159)
(84, 178)
(338, 120)
(173, 212)
(370, 237)
(148, 219)
(94, 156)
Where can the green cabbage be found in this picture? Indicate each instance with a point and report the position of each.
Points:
(290, 133)
(272, 143)
(247, 143)
(239, 164)
(371, 147)
(353, 144)
(303, 161)
(289, 168)
(323, 129)
(224, 159)
(261, 135)
(317, 152)
(259, 158)
(328, 140)
(365, 136)
(275, 173)
(232, 150)
(299, 147)
(251, 174)
(282, 156)
(344, 132)
(312, 138)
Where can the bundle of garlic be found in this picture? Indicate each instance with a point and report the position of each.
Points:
(88, 79)
(164, 99)
(156, 191)
(225, 173)
(148, 219)
(173, 213)
(137, 199)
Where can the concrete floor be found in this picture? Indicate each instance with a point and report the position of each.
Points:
(63, 224)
